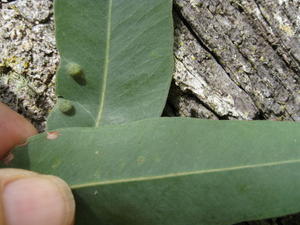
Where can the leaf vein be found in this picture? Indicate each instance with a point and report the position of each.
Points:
(106, 64)
(181, 174)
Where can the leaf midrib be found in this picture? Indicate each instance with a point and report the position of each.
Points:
(181, 174)
(105, 66)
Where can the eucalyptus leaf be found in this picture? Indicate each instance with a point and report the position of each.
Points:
(116, 60)
(174, 171)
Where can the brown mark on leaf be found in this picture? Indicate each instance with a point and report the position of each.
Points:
(52, 135)
(140, 160)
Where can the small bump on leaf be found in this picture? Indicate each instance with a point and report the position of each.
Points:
(74, 69)
(65, 106)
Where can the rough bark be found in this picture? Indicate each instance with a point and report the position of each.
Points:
(28, 57)
(234, 59)
(240, 59)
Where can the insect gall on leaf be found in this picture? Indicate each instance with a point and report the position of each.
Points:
(74, 69)
(65, 106)
(76, 72)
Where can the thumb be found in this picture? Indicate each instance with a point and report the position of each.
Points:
(28, 198)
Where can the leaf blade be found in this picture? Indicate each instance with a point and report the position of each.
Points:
(148, 172)
(124, 50)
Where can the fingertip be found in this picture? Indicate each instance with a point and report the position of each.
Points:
(14, 129)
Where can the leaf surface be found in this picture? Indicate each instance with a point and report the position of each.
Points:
(122, 52)
(174, 171)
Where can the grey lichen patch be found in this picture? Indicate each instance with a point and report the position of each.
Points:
(20, 84)
(28, 58)
(35, 11)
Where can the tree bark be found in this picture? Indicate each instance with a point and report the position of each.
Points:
(28, 58)
(237, 59)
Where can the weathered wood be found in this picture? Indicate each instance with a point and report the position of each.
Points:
(240, 58)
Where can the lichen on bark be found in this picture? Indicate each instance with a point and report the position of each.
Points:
(28, 58)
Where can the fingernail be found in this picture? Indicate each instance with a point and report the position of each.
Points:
(38, 200)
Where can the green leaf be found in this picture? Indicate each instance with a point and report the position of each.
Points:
(116, 60)
(174, 171)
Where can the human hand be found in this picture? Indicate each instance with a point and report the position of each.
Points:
(28, 198)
